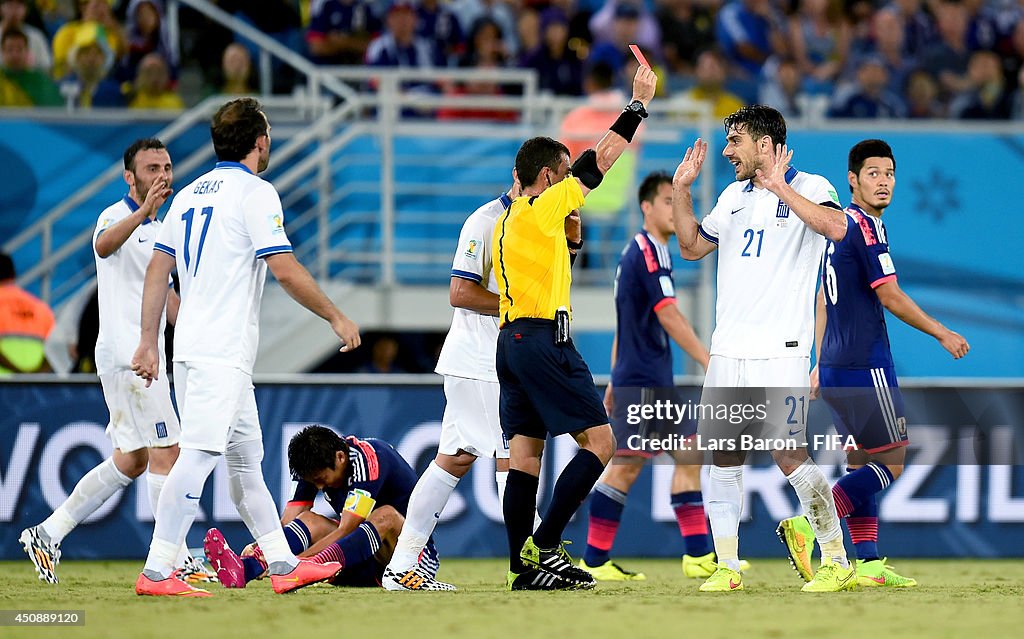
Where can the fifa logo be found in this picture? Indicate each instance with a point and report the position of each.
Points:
(782, 211)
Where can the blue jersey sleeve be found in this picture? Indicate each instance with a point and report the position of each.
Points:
(872, 250)
(652, 270)
(304, 495)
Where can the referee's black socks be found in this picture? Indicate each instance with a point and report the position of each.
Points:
(572, 487)
(519, 508)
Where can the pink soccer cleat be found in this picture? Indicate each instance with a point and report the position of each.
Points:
(228, 565)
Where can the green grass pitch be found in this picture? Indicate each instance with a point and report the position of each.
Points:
(974, 599)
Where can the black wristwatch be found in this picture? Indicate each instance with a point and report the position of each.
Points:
(636, 106)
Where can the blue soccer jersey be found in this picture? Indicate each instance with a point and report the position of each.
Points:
(643, 284)
(374, 466)
(855, 334)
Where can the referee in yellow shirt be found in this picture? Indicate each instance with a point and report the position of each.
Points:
(546, 386)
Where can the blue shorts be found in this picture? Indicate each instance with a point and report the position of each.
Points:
(369, 573)
(545, 387)
(867, 404)
(627, 422)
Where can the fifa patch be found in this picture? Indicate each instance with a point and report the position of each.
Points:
(666, 286)
(472, 249)
(161, 430)
(888, 268)
(276, 224)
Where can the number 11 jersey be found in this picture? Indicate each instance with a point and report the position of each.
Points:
(218, 229)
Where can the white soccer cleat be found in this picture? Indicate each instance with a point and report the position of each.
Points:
(193, 570)
(412, 580)
(44, 555)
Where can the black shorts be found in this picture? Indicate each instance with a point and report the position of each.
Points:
(545, 388)
(867, 404)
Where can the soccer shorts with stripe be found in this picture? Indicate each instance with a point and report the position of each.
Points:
(867, 404)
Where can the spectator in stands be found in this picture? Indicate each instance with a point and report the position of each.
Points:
(1018, 97)
(469, 11)
(25, 321)
(383, 357)
(948, 57)
(438, 24)
(604, 27)
(340, 31)
(888, 36)
(91, 16)
(153, 85)
(279, 19)
(922, 96)
(982, 27)
(12, 16)
(918, 24)
(399, 46)
(782, 87)
(89, 84)
(33, 87)
(687, 28)
(710, 85)
(820, 39)
(486, 51)
(559, 69)
(236, 71)
(989, 97)
(613, 49)
(528, 29)
(147, 33)
(749, 31)
(869, 96)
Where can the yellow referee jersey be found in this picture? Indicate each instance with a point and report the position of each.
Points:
(531, 258)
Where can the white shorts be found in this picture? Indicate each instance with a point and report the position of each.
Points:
(777, 391)
(470, 421)
(140, 417)
(218, 406)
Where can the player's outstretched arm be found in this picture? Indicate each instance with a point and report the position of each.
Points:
(302, 288)
(691, 245)
(114, 236)
(899, 304)
(146, 362)
(467, 294)
(611, 146)
(820, 319)
(823, 220)
(680, 330)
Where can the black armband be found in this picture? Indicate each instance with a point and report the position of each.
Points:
(574, 245)
(585, 168)
(626, 124)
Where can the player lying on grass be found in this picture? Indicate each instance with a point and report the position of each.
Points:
(368, 485)
(855, 370)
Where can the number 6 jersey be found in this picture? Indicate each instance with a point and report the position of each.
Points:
(218, 229)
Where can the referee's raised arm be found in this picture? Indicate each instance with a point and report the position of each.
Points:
(591, 166)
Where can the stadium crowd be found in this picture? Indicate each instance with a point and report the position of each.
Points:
(869, 58)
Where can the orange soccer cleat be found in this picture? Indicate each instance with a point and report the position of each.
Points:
(305, 574)
(172, 587)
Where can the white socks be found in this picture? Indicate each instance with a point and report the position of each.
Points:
(426, 503)
(155, 484)
(98, 485)
(723, 499)
(816, 498)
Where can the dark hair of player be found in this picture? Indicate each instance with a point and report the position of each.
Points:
(649, 187)
(142, 144)
(868, 149)
(7, 271)
(235, 127)
(534, 155)
(312, 449)
(12, 33)
(601, 76)
(758, 120)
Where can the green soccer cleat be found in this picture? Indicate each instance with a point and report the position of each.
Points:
(723, 580)
(704, 566)
(832, 577)
(611, 571)
(555, 561)
(878, 574)
(798, 536)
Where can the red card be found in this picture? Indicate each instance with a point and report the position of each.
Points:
(639, 55)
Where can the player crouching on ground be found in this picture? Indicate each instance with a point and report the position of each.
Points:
(366, 482)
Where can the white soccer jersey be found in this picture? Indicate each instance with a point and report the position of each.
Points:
(469, 349)
(218, 229)
(767, 265)
(119, 279)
